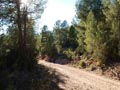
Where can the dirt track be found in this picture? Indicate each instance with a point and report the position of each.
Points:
(76, 79)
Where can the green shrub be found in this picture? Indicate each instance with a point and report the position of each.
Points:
(71, 54)
(82, 64)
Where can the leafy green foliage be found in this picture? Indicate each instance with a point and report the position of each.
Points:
(47, 43)
(40, 78)
(96, 39)
(60, 36)
(97, 36)
(82, 64)
(72, 38)
(111, 12)
(94, 34)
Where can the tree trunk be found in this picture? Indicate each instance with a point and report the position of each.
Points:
(19, 25)
(25, 25)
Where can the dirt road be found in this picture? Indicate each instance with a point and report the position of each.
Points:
(76, 79)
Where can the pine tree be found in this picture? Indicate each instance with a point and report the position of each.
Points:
(72, 38)
(111, 11)
(95, 40)
(60, 33)
(83, 7)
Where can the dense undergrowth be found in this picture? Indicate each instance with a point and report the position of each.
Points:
(110, 70)
(39, 78)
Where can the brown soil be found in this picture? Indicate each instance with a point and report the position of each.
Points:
(78, 79)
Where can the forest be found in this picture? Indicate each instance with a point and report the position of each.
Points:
(93, 36)
(94, 33)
